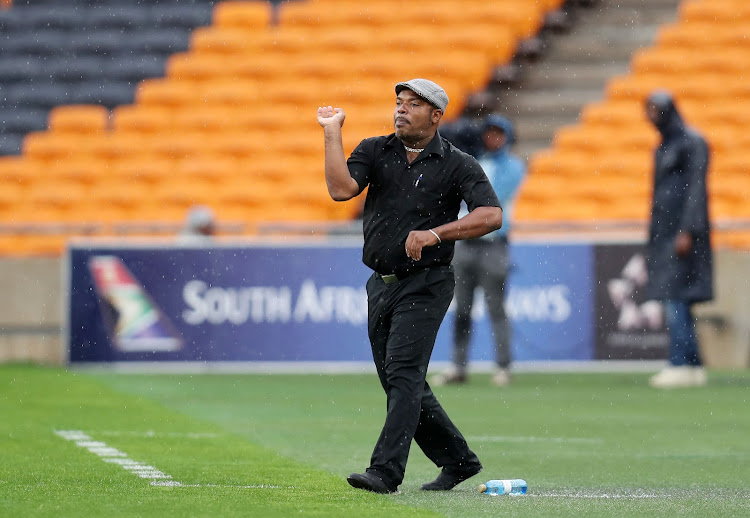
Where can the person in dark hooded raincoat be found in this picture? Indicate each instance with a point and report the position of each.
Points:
(680, 261)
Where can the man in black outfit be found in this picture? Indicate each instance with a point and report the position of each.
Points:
(416, 181)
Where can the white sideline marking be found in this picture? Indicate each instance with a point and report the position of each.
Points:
(153, 434)
(114, 456)
(605, 496)
(144, 471)
(562, 440)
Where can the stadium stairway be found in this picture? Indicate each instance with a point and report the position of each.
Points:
(576, 64)
(586, 100)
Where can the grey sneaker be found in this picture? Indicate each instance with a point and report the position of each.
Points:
(452, 376)
(501, 377)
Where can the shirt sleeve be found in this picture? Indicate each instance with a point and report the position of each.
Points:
(474, 185)
(360, 162)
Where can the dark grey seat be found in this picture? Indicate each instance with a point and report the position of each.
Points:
(104, 42)
(10, 144)
(181, 15)
(134, 68)
(37, 95)
(125, 17)
(21, 121)
(161, 41)
(52, 17)
(20, 69)
(76, 70)
(35, 43)
(109, 94)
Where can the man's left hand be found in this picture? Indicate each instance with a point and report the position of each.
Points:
(417, 240)
(683, 244)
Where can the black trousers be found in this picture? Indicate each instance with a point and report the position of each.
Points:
(404, 318)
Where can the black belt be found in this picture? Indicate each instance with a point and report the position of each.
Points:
(390, 278)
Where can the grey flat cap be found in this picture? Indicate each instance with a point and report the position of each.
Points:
(427, 90)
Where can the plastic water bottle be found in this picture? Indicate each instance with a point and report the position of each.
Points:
(514, 486)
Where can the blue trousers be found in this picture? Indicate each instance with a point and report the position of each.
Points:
(683, 347)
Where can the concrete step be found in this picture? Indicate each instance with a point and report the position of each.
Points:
(576, 67)
(556, 74)
(541, 127)
(537, 101)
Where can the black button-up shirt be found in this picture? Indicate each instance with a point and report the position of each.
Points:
(419, 196)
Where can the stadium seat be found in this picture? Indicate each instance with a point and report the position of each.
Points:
(78, 119)
(104, 93)
(21, 69)
(164, 93)
(308, 14)
(145, 119)
(182, 15)
(34, 43)
(36, 96)
(83, 172)
(133, 68)
(220, 40)
(120, 17)
(143, 171)
(242, 14)
(20, 120)
(209, 171)
(50, 147)
(99, 42)
(239, 93)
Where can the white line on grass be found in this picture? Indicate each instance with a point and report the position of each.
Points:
(582, 494)
(523, 438)
(158, 478)
(154, 434)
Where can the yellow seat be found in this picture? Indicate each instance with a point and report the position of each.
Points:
(239, 93)
(78, 119)
(134, 170)
(164, 93)
(50, 147)
(19, 170)
(242, 14)
(142, 119)
(82, 171)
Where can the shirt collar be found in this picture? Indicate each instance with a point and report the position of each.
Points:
(435, 145)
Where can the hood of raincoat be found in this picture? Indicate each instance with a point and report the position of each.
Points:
(498, 121)
(670, 122)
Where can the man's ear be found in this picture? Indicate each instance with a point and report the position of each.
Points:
(437, 115)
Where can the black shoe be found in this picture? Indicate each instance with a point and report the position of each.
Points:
(451, 477)
(369, 482)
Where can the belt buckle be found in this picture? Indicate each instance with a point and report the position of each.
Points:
(390, 278)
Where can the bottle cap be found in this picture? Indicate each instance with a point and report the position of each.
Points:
(482, 488)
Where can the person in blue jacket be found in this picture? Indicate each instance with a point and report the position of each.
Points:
(484, 262)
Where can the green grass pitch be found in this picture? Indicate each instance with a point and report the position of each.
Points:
(82, 443)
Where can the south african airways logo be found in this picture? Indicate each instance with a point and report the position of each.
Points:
(134, 322)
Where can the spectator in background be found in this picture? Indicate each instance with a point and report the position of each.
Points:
(484, 262)
(199, 227)
(680, 261)
(466, 132)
